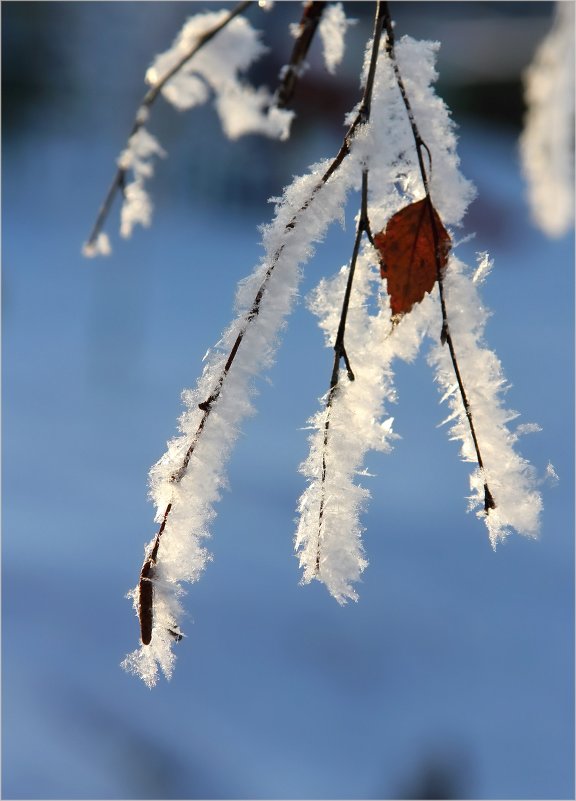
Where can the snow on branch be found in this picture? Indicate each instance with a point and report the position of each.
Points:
(513, 500)
(209, 56)
(512, 480)
(355, 418)
(328, 538)
(303, 34)
(217, 70)
(399, 155)
(137, 206)
(333, 28)
(185, 484)
(408, 121)
(547, 142)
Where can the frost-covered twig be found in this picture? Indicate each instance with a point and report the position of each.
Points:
(97, 242)
(513, 479)
(356, 417)
(330, 20)
(547, 141)
(445, 335)
(363, 227)
(333, 27)
(186, 481)
(291, 72)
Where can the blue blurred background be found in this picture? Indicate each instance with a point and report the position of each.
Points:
(453, 675)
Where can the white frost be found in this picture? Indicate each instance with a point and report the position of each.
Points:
(512, 480)
(332, 28)
(217, 69)
(288, 243)
(137, 157)
(328, 538)
(329, 545)
(547, 142)
(244, 110)
(100, 247)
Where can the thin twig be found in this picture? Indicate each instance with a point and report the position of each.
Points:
(141, 116)
(363, 227)
(308, 25)
(445, 335)
(145, 611)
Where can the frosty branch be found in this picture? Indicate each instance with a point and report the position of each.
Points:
(142, 114)
(145, 603)
(308, 26)
(363, 227)
(445, 336)
(398, 126)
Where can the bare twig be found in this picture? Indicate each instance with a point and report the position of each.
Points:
(141, 116)
(145, 608)
(445, 335)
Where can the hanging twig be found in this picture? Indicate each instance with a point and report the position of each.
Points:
(119, 180)
(145, 596)
(363, 227)
(445, 335)
(307, 27)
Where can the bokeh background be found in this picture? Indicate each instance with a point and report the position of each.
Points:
(452, 677)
